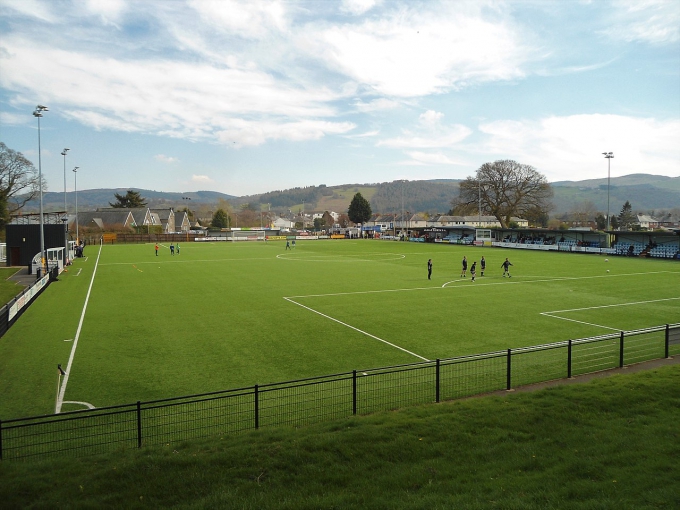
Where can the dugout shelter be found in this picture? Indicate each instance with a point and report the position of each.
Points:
(23, 241)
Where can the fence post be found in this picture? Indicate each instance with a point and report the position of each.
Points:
(569, 361)
(354, 392)
(437, 380)
(621, 351)
(257, 406)
(509, 371)
(667, 342)
(139, 424)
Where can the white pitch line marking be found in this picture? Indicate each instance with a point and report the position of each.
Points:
(60, 398)
(320, 258)
(610, 306)
(86, 404)
(356, 329)
(359, 292)
(477, 283)
(175, 261)
(579, 322)
(551, 314)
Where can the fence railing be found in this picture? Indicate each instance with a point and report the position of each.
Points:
(317, 399)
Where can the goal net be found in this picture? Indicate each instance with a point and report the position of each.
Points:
(247, 235)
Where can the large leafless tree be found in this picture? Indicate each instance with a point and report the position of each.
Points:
(504, 189)
(19, 180)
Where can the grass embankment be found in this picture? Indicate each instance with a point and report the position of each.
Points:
(8, 288)
(610, 443)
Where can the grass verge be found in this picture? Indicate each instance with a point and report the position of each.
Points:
(608, 443)
(8, 289)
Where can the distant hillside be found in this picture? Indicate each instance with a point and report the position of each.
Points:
(645, 192)
(91, 199)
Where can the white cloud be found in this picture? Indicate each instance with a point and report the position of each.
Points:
(245, 19)
(241, 132)
(431, 158)
(376, 105)
(651, 21)
(559, 146)
(367, 134)
(31, 8)
(165, 159)
(109, 11)
(431, 133)
(430, 119)
(14, 119)
(201, 179)
(163, 97)
(410, 52)
(358, 7)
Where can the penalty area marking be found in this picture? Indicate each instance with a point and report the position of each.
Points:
(356, 329)
(558, 278)
(477, 283)
(62, 389)
(552, 313)
(548, 314)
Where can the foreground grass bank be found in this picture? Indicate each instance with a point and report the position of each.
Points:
(610, 443)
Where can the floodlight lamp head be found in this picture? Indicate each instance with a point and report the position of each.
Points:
(76, 169)
(42, 108)
(63, 153)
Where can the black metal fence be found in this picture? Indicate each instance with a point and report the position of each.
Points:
(326, 398)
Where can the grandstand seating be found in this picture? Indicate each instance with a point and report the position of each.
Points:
(664, 251)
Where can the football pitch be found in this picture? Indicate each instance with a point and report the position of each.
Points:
(128, 325)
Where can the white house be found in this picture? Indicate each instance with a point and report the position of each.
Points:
(647, 222)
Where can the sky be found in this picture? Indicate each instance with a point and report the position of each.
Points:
(245, 97)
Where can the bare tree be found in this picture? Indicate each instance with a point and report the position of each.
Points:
(19, 180)
(583, 212)
(504, 189)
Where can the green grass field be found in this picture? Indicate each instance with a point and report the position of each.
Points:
(8, 288)
(222, 315)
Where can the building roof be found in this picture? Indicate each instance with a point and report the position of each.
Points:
(106, 218)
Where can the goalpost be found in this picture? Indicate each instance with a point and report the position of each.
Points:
(248, 235)
(484, 237)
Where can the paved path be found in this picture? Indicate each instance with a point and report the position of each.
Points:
(22, 277)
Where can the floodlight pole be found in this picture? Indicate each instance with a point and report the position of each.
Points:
(38, 112)
(402, 204)
(609, 156)
(63, 153)
(75, 178)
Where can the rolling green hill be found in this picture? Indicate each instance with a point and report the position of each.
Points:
(645, 192)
